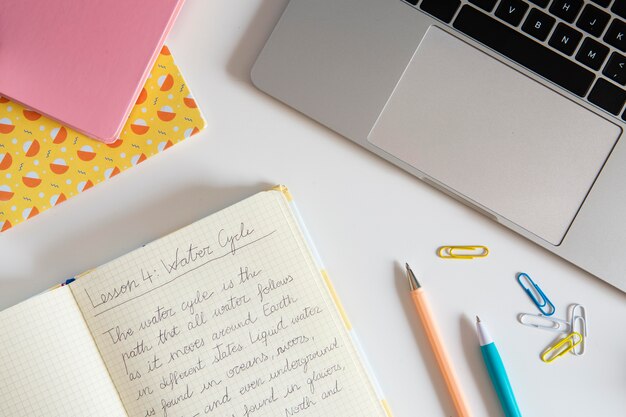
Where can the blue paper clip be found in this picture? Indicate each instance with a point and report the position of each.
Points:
(540, 299)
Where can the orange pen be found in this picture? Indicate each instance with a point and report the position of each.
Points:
(423, 310)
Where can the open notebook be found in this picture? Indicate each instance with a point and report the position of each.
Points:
(231, 316)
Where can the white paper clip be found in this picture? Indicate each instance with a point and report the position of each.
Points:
(578, 323)
(539, 321)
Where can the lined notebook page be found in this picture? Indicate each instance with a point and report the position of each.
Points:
(226, 317)
(49, 364)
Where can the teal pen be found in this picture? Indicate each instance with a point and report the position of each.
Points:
(496, 370)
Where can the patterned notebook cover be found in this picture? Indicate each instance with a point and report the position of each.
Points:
(43, 163)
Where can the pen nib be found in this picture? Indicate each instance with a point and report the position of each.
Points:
(413, 282)
(477, 319)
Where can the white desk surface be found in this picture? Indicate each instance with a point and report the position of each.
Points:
(367, 218)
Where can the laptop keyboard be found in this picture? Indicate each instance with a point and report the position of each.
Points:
(575, 44)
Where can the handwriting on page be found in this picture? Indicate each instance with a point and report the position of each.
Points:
(194, 255)
(220, 329)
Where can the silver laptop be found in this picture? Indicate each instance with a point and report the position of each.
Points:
(514, 107)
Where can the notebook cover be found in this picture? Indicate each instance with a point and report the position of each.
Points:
(43, 163)
(81, 62)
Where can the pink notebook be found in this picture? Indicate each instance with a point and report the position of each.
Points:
(81, 62)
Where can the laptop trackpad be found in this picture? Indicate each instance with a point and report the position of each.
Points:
(494, 135)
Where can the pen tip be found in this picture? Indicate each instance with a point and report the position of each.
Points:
(477, 319)
(413, 282)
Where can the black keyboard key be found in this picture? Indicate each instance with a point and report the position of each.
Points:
(441, 9)
(512, 11)
(603, 3)
(538, 24)
(615, 69)
(565, 39)
(485, 4)
(541, 3)
(592, 53)
(566, 9)
(619, 8)
(593, 20)
(524, 51)
(608, 96)
(616, 34)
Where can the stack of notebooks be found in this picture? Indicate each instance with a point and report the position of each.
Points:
(43, 163)
(231, 316)
(87, 90)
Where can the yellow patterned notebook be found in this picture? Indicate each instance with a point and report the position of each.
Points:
(43, 163)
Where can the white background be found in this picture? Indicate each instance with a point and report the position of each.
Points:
(367, 218)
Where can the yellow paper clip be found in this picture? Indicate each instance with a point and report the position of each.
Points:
(561, 347)
(462, 252)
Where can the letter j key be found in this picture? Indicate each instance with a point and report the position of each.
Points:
(593, 20)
